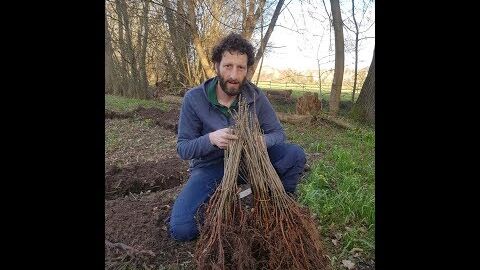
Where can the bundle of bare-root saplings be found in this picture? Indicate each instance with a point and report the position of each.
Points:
(275, 232)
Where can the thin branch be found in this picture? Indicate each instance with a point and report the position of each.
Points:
(182, 16)
(368, 27)
(231, 27)
(365, 38)
(293, 18)
(329, 25)
(326, 10)
(275, 47)
(348, 27)
(296, 31)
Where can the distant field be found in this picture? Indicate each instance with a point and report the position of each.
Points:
(299, 89)
(302, 86)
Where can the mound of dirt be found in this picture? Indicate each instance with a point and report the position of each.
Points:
(167, 120)
(136, 178)
(136, 233)
(109, 114)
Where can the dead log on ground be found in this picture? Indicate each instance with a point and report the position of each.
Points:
(299, 118)
(294, 118)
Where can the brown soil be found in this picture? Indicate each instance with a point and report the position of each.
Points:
(136, 233)
(143, 175)
(166, 119)
(130, 141)
(149, 176)
(109, 114)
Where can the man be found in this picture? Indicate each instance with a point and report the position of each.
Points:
(203, 133)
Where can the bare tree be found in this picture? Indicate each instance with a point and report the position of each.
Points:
(108, 60)
(171, 41)
(356, 51)
(357, 31)
(364, 108)
(264, 40)
(178, 49)
(133, 80)
(142, 44)
(334, 102)
(251, 16)
(197, 42)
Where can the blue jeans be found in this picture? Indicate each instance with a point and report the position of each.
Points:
(287, 159)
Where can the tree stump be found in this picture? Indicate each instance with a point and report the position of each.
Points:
(161, 89)
(308, 104)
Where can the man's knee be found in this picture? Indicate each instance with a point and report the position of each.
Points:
(290, 166)
(287, 156)
(299, 154)
(185, 231)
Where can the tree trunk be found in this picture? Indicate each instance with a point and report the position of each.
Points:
(250, 17)
(180, 39)
(355, 76)
(261, 61)
(134, 79)
(264, 41)
(143, 52)
(202, 55)
(334, 102)
(364, 108)
(172, 29)
(356, 52)
(124, 76)
(108, 60)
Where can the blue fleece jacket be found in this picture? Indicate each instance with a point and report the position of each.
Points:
(199, 116)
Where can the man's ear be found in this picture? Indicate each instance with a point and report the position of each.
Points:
(217, 68)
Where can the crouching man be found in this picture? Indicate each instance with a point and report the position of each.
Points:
(203, 133)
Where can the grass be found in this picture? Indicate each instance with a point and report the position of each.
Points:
(340, 188)
(122, 104)
(112, 139)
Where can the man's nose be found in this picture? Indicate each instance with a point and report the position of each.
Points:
(235, 74)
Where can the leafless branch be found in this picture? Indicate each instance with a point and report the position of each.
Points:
(365, 38)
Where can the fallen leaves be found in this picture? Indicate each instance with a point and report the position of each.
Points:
(348, 264)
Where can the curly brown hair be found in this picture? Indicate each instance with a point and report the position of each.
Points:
(233, 42)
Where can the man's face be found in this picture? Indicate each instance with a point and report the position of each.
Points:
(232, 72)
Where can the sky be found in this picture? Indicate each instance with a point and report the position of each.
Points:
(297, 48)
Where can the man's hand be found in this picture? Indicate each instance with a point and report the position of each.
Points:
(222, 137)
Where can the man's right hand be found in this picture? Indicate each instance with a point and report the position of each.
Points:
(222, 137)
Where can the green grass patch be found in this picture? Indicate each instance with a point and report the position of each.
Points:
(122, 104)
(112, 139)
(340, 188)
